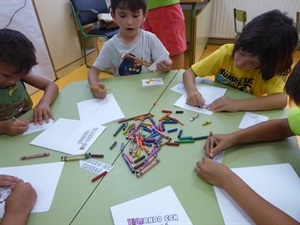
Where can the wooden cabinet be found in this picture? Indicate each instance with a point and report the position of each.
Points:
(60, 33)
(198, 21)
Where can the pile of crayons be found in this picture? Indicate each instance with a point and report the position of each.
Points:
(146, 134)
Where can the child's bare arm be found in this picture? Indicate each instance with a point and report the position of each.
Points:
(257, 208)
(194, 98)
(98, 89)
(268, 102)
(42, 110)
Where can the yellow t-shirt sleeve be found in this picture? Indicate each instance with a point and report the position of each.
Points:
(211, 64)
(294, 120)
(274, 85)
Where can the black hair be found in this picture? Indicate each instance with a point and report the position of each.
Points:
(17, 51)
(273, 37)
(292, 85)
(132, 5)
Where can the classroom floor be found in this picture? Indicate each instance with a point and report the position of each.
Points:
(81, 73)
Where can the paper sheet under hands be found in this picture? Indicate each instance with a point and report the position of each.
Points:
(209, 93)
(37, 127)
(100, 111)
(35, 175)
(279, 184)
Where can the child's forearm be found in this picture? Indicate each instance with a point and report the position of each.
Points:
(268, 102)
(189, 81)
(272, 130)
(14, 218)
(93, 75)
(50, 93)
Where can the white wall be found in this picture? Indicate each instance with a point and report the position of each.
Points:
(25, 21)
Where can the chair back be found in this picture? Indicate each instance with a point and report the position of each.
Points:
(87, 10)
(239, 16)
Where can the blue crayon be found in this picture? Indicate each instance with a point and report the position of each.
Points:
(170, 122)
(172, 130)
(122, 146)
(163, 127)
(147, 129)
(153, 135)
(125, 125)
(179, 134)
(128, 163)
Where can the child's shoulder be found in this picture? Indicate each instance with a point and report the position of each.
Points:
(148, 34)
(227, 48)
(294, 120)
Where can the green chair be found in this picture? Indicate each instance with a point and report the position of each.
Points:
(240, 17)
(86, 18)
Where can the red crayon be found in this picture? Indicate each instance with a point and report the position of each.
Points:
(96, 155)
(166, 111)
(35, 156)
(99, 176)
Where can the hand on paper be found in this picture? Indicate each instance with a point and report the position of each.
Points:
(19, 204)
(99, 90)
(224, 104)
(195, 99)
(13, 127)
(212, 172)
(41, 112)
(8, 181)
(217, 143)
(165, 65)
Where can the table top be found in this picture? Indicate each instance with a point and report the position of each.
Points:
(133, 99)
(79, 201)
(177, 163)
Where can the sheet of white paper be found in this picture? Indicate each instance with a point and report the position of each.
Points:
(163, 57)
(251, 119)
(37, 127)
(100, 111)
(279, 184)
(156, 205)
(95, 166)
(179, 88)
(219, 158)
(152, 81)
(209, 93)
(69, 136)
(35, 175)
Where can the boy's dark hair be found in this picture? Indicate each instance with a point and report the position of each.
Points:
(273, 37)
(17, 50)
(292, 85)
(131, 5)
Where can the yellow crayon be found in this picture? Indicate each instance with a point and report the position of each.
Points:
(206, 123)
